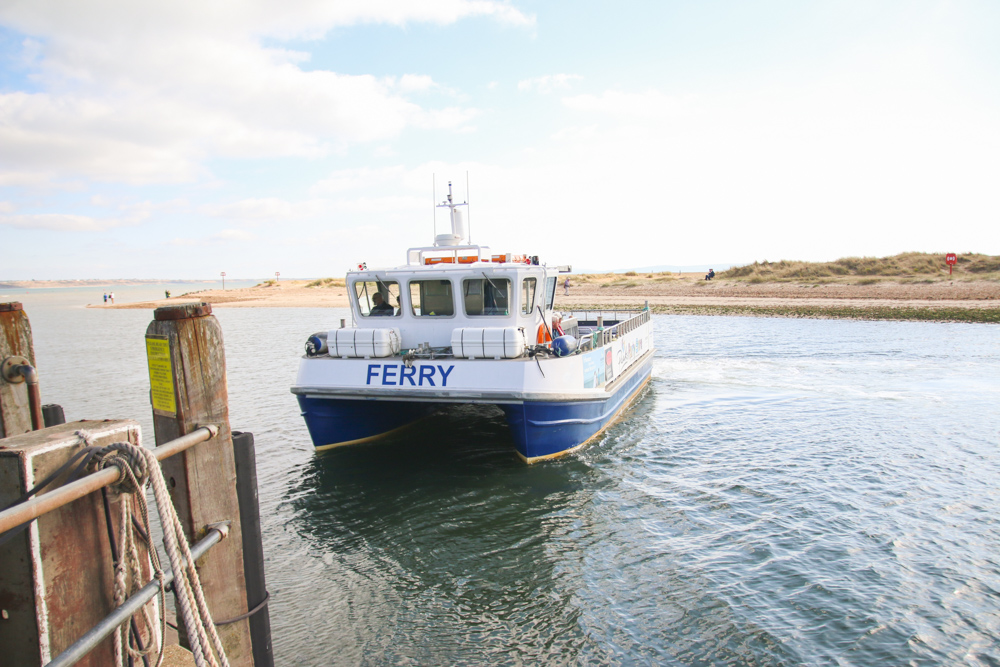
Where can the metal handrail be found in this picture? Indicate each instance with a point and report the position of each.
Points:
(89, 641)
(607, 335)
(618, 330)
(29, 510)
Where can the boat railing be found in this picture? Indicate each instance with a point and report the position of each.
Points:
(459, 254)
(603, 335)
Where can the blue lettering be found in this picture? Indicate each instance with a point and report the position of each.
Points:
(372, 372)
(389, 374)
(407, 374)
(445, 374)
(427, 372)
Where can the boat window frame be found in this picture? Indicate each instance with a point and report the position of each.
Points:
(485, 280)
(528, 305)
(356, 297)
(409, 290)
(551, 283)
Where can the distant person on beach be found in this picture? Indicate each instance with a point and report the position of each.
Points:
(166, 293)
(105, 297)
(710, 274)
(381, 307)
(566, 286)
(112, 297)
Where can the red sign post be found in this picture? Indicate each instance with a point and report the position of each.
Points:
(950, 259)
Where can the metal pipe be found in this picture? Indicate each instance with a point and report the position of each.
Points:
(30, 376)
(17, 369)
(89, 641)
(34, 508)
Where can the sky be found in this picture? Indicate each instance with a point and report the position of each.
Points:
(177, 140)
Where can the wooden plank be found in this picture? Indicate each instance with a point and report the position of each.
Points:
(202, 480)
(15, 340)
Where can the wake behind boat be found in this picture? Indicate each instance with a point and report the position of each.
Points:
(459, 324)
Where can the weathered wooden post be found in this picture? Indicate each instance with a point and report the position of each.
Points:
(56, 574)
(187, 368)
(15, 341)
(253, 551)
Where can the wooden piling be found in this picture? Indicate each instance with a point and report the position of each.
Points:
(56, 575)
(188, 389)
(253, 550)
(15, 340)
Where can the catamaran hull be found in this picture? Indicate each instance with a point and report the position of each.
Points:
(544, 429)
(336, 422)
(540, 429)
(553, 405)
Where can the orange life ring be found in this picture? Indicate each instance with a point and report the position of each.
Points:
(543, 336)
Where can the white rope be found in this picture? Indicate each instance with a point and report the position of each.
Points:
(206, 646)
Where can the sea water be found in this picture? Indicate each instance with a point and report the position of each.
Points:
(785, 492)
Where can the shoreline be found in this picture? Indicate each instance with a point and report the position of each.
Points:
(954, 301)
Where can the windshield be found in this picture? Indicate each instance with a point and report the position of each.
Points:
(377, 298)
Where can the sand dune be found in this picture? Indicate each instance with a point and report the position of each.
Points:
(975, 300)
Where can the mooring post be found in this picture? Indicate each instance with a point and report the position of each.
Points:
(54, 414)
(15, 341)
(187, 369)
(253, 549)
(56, 573)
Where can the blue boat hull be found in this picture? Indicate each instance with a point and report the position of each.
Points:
(541, 429)
(544, 429)
(337, 422)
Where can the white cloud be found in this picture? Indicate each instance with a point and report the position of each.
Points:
(384, 204)
(6, 207)
(267, 209)
(62, 222)
(147, 93)
(840, 167)
(649, 104)
(411, 83)
(549, 83)
(37, 179)
(346, 180)
(223, 236)
(233, 235)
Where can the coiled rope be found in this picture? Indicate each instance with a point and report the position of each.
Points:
(139, 467)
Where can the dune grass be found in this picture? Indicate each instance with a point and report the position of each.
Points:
(327, 282)
(901, 313)
(910, 266)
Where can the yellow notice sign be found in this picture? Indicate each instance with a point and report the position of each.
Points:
(161, 375)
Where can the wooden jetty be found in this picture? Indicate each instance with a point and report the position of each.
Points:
(57, 548)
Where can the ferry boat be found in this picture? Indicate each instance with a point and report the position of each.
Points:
(460, 324)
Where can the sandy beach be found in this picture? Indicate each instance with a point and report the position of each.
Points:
(975, 300)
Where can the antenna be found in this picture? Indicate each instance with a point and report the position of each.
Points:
(468, 209)
(434, 197)
(458, 233)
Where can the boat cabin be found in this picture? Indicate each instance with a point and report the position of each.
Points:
(436, 293)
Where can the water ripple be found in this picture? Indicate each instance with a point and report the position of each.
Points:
(786, 492)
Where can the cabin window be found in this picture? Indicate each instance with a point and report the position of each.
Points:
(377, 298)
(486, 296)
(432, 298)
(550, 291)
(528, 295)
